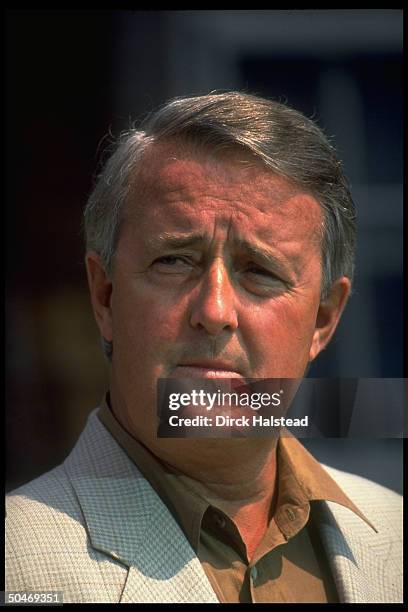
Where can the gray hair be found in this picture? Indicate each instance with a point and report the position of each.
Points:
(278, 136)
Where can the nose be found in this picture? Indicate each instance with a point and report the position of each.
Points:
(214, 307)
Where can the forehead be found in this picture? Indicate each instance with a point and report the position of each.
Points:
(182, 182)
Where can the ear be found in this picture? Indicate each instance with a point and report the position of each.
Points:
(328, 315)
(100, 288)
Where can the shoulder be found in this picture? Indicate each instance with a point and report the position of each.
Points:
(367, 562)
(48, 490)
(43, 508)
(43, 522)
(49, 501)
(47, 541)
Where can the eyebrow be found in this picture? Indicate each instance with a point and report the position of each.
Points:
(264, 256)
(175, 240)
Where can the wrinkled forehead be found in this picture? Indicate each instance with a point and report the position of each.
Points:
(175, 171)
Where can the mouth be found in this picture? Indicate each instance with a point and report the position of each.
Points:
(206, 369)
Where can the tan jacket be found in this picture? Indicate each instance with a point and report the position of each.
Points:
(94, 528)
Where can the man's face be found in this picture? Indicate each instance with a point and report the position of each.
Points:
(217, 273)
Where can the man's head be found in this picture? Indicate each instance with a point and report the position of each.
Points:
(221, 236)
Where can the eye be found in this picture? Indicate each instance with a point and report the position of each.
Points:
(169, 260)
(260, 272)
(255, 270)
(175, 264)
(262, 281)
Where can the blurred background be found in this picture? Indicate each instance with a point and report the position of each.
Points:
(73, 76)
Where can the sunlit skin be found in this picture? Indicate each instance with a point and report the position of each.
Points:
(240, 289)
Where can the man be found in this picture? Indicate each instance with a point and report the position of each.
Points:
(219, 245)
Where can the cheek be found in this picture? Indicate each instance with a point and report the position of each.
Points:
(282, 333)
(145, 318)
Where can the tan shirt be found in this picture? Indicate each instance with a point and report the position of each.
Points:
(289, 564)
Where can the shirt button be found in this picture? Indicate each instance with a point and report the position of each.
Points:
(291, 514)
(254, 573)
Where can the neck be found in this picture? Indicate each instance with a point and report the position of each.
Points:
(245, 490)
(237, 476)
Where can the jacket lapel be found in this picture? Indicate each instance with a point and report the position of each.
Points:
(164, 567)
(127, 521)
